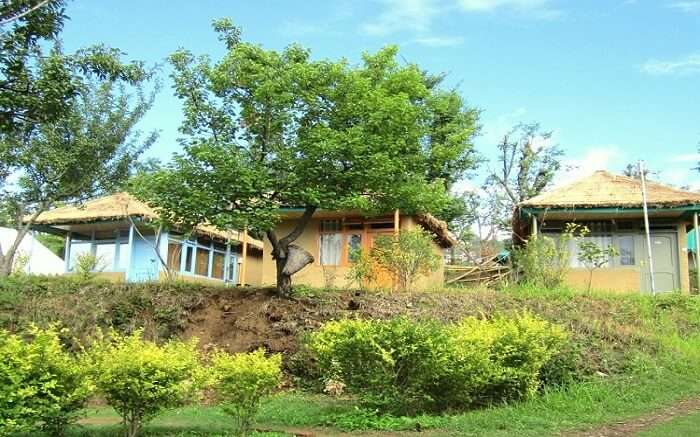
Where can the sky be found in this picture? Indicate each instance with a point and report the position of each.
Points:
(617, 81)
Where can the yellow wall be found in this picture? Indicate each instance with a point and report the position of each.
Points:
(254, 266)
(621, 279)
(316, 275)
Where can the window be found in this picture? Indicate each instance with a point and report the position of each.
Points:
(104, 253)
(217, 267)
(233, 268)
(354, 246)
(330, 243)
(78, 248)
(174, 252)
(202, 262)
(189, 256)
(626, 249)
(602, 241)
(124, 255)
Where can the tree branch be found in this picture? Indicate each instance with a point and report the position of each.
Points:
(299, 228)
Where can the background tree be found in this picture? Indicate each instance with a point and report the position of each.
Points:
(266, 129)
(87, 151)
(527, 164)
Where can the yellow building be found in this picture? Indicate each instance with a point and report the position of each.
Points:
(611, 206)
(119, 231)
(331, 235)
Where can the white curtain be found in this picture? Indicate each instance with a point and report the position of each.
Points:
(330, 249)
(602, 241)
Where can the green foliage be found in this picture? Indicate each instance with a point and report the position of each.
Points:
(594, 256)
(407, 256)
(242, 381)
(139, 378)
(87, 265)
(55, 243)
(543, 261)
(42, 387)
(362, 270)
(265, 129)
(404, 367)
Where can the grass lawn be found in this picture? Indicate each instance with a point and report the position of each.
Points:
(582, 406)
(686, 426)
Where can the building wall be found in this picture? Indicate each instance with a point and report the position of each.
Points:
(316, 275)
(683, 258)
(612, 279)
(254, 268)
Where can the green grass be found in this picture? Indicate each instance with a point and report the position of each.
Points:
(686, 426)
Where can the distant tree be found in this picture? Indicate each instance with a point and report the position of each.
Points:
(526, 166)
(87, 151)
(632, 171)
(266, 129)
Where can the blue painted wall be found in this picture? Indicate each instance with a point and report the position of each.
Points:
(144, 265)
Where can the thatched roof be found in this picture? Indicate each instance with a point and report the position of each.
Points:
(606, 190)
(118, 207)
(437, 227)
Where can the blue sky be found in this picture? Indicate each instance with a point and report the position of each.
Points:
(616, 80)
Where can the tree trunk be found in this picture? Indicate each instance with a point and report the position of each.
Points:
(5, 265)
(7, 256)
(288, 257)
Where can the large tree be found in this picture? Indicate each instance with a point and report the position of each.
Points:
(267, 129)
(89, 150)
(66, 119)
(526, 165)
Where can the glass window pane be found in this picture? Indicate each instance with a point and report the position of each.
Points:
(124, 255)
(217, 268)
(105, 256)
(330, 225)
(330, 249)
(189, 255)
(202, 262)
(354, 246)
(174, 252)
(626, 249)
(602, 241)
(233, 268)
(78, 249)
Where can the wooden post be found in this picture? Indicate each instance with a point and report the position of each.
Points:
(534, 226)
(66, 252)
(697, 250)
(244, 256)
(397, 221)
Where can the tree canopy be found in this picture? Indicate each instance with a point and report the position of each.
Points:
(268, 129)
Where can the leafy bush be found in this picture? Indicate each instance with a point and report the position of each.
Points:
(362, 272)
(407, 256)
(42, 387)
(87, 264)
(242, 380)
(139, 378)
(404, 367)
(544, 261)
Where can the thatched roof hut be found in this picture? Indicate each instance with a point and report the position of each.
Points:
(120, 206)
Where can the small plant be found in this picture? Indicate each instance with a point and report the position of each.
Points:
(544, 261)
(42, 386)
(362, 272)
(241, 382)
(140, 379)
(407, 256)
(329, 276)
(87, 264)
(594, 256)
(20, 262)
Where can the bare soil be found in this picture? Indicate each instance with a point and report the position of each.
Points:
(634, 426)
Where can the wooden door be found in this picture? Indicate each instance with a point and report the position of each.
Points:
(384, 278)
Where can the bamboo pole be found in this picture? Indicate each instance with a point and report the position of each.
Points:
(397, 221)
(244, 256)
(646, 227)
(697, 250)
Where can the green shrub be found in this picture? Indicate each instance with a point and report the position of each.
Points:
(404, 367)
(362, 270)
(139, 378)
(396, 366)
(42, 387)
(406, 256)
(242, 380)
(517, 349)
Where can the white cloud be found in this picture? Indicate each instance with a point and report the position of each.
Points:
(490, 5)
(593, 159)
(684, 66)
(399, 15)
(686, 157)
(689, 7)
(493, 130)
(439, 41)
